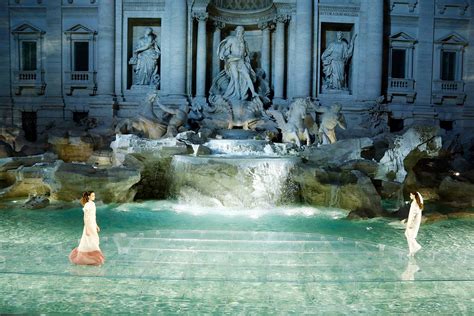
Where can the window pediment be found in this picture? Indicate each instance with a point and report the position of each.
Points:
(452, 39)
(79, 29)
(402, 39)
(402, 36)
(27, 28)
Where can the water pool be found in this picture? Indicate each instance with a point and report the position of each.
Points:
(165, 257)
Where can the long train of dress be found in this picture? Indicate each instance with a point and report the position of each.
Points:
(88, 252)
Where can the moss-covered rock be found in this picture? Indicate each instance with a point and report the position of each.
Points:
(350, 190)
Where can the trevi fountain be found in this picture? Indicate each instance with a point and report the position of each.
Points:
(247, 157)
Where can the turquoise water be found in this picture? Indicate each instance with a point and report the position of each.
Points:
(166, 257)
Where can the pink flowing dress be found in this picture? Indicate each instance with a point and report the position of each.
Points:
(88, 252)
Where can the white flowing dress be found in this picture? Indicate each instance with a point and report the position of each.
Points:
(88, 252)
(413, 226)
(91, 242)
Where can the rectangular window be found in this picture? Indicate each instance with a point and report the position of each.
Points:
(448, 66)
(446, 125)
(78, 116)
(81, 56)
(398, 63)
(28, 123)
(28, 55)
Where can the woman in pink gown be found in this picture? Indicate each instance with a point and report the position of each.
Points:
(88, 252)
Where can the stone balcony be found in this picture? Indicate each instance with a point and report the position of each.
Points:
(401, 87)
(448, 90)
(30, 79)
(80, 80)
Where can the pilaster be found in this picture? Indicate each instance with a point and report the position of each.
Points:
(279, 82)
(373, 49)
(53, 48)
(304, 27)
(424, 73)
(106, 60)
(201, 17)
(176, 14)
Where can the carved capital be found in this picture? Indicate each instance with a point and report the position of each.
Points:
(218, 25)
(282, 18)
(201, 16)
(270, 25)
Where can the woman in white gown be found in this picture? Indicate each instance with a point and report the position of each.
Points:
(88, 252)
(413, 223)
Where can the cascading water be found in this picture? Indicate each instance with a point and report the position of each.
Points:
(233, 182)
(334, 198)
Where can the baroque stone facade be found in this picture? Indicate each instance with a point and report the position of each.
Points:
(62, 60)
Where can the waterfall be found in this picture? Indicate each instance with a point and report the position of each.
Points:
(232, 182)
(334, 198)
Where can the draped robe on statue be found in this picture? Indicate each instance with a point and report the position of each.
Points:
(237, 68)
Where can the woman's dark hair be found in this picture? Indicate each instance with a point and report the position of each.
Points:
(85, 197)
(418, 199)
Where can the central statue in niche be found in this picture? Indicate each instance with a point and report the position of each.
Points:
(234, 51)
(233, 97)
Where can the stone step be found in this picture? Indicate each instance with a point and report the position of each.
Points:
(223, 256)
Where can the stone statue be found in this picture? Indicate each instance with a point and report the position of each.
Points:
(145, 58)
(237, 95)
(234, 51)
(331, 117)
(294, 130)
(179, 118)
(334, 59)
(377, 119)
(146, 124)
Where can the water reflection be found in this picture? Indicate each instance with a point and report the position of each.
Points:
(87, 271)
(410, 270)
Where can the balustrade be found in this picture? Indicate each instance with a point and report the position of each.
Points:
(33, 79)
(448, 89)
(80, 80)
(401, 87)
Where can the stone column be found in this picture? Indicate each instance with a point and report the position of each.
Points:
(278, 84)
(374, 46)
(216, 40)
(468, 108)
(5, 36)
(469, 59)
(201, 17)
(290, 68)
(424, 73)
(315, 48)
(52, 49)
(304, 30)
(105, 61)
(164, 57)
(119, 45)
(176, 14)
(6, 114)
(52, 107)
(265, 58)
